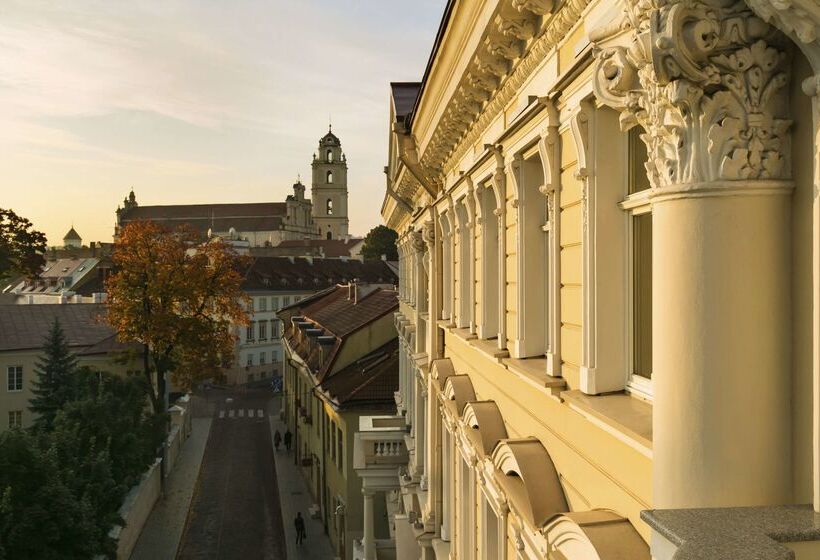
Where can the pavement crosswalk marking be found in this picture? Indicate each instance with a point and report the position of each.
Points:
(250, 413)
(241, 412)
(230, 413)
(222, 414)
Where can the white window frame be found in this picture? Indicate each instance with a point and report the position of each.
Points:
(249, 359)
(636, 204)
(263, 330)
(15, 419)
(18, 379)
(262, 358)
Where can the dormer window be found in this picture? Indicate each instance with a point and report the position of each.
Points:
(329, 177)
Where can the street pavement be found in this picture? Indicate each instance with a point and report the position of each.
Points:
(160, 536)
(297, 498)
(235, 511)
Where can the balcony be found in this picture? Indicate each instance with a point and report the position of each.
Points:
(385, 550)
(379, 443)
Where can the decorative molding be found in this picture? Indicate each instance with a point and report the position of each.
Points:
(509, 53)
(707, 82)
(798, 18)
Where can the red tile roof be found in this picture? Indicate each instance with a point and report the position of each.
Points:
(290, 274)
(333, 311)
(254, 216)
(369, 381)
(330, 247)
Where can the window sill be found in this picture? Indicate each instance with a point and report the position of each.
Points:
(534, 371)
(490, 348)
(463, 334)
(626, 417)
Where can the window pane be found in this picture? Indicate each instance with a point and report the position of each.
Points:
(638, 179)
(642, 294)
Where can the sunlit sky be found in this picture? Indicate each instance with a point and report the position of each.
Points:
(195, 101)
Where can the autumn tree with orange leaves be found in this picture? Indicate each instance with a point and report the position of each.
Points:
(178, 298)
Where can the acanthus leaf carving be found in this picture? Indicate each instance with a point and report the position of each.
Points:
(707, 82)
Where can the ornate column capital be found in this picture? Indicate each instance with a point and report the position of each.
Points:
(707, 81)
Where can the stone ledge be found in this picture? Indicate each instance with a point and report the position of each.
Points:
(742, 533)
(624, 416)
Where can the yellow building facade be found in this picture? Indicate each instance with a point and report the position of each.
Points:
(608, 240)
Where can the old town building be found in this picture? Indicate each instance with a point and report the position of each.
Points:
(609, 283)
(341, 364)
(273, 283)
(264, 224)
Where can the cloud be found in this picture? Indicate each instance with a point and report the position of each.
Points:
(211, 97)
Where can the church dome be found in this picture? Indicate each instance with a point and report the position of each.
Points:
(72, 235)
(330, 139)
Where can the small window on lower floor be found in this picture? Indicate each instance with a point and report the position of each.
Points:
(15, 419)
(250, 360)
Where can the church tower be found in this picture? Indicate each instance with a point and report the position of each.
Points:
(329, 188)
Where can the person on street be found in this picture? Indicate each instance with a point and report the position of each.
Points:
(299, 524)
(277, 439)
(288, 438)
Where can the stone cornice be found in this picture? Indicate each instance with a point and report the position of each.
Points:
(508, 56)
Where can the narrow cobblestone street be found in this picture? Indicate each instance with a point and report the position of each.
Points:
(235, 511)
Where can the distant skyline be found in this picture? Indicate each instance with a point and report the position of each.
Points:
(195, 102)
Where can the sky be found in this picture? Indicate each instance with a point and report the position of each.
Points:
(200, 101)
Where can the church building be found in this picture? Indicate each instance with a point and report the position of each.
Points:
(265, 224)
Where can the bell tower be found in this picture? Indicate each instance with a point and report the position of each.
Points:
(329, 188)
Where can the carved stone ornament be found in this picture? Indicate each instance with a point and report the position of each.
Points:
(429, 233)
(707, 81)
(417, 241)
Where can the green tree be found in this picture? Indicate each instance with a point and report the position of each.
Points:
(381, 240)
(54, 374)
(21, 247)
(40, 517)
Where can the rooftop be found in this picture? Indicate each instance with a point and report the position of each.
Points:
(370, 380)
(331, 248)
(24, 327)
(72, 235)
(312, 274)
(338, 315)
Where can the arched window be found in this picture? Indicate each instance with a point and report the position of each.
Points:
(330, 156)
(329, 234)
(330, 177)
(329, 207)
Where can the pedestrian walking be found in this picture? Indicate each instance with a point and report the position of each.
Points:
(277, 439)
(299, 523)
(288, 438)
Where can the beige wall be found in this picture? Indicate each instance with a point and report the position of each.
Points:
(18, 400)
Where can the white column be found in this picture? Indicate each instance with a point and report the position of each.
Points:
(717, 135)
(368, 538)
